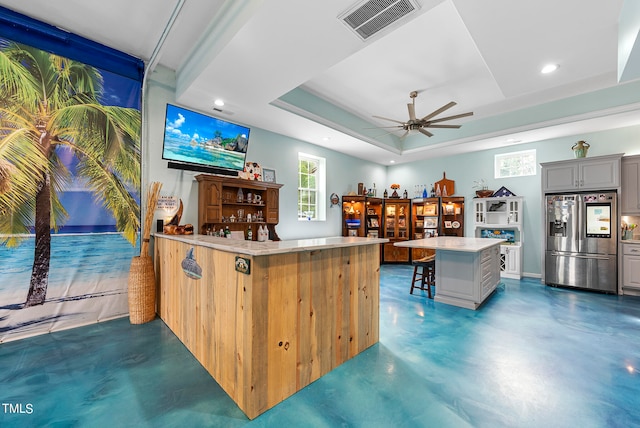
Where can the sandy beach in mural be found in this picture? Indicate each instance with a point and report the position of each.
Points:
(65, 307)
(88, 283)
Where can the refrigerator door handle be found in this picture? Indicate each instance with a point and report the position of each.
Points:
(580, 207)
(580, 256)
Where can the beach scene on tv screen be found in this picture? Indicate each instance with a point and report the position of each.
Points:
(196, 138)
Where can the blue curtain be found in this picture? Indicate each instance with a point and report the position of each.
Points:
(22, 29)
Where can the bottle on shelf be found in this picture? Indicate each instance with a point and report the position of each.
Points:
(424, 191)
(249, 234)
(263, 233)
(227, 232)
(433, 192)
(240, 195)
(386, 194)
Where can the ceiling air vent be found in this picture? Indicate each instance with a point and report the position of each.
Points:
(367, 18)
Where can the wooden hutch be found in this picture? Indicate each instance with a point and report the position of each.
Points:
(228, 201)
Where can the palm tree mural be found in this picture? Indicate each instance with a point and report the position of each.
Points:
(48, 104)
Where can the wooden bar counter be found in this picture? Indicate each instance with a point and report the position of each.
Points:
(268, 318)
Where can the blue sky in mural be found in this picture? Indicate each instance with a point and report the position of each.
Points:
(85, 214)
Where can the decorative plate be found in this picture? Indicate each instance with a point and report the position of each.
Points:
(455, 224)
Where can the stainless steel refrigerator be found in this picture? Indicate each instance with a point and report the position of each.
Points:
(581, 247)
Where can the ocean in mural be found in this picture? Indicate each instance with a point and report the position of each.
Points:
(88, 273)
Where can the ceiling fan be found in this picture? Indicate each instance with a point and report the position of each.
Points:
(420, 125)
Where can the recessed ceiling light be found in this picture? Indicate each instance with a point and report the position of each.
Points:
(219, 102)
(549, 68)
(326, 138)
(392, 161)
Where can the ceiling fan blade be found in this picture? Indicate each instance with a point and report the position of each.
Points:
(440, 110)
(392, 120)
(412, 110)
(425, 132)
(385, 127)
(457, 116)
(444, 126)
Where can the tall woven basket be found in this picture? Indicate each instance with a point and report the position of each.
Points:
(142, 290)
(142, 279)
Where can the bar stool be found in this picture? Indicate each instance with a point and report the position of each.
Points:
(424, 271)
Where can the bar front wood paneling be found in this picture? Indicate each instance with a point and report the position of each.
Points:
(266, 335)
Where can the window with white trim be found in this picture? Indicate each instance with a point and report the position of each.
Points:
(311, 187)
(515, 164)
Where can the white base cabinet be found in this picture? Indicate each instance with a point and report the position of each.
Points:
(631, 267)
(511, 261)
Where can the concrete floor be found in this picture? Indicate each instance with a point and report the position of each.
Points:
(532, 356)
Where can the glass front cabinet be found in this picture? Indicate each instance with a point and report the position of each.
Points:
(396, 227)
(425, 214)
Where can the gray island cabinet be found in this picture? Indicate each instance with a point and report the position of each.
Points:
(467, 269)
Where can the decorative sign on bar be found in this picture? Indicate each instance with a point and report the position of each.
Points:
(243, 265)
(190, 267)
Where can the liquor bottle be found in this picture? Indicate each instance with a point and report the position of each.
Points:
(227, 232)
(249, 234)
(386, 194)
(433, 192)
(424, 191)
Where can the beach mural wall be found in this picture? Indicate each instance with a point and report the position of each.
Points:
(69, 191)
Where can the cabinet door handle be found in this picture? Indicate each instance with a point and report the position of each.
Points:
(634, 250)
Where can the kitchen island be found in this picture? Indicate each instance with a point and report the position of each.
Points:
(266, 319)
(467, 269)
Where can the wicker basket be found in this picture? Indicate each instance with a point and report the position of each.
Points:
(142, 290)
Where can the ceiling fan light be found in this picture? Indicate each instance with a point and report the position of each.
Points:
(219, 102)
(549, 68)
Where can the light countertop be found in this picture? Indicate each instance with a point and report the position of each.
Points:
(255, 248)
(452, 243)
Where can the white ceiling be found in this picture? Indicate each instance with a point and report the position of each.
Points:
(292, 67)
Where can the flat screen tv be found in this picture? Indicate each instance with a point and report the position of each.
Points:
(197, 142)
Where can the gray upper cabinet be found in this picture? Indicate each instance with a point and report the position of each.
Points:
(597, 173)
(629, 193)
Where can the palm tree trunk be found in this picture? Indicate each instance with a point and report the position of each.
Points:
(42, 252)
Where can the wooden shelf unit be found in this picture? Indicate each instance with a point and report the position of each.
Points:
(452, 217)
(361, 216)
(425, 221)
(396, 227)
(218, 199)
